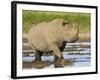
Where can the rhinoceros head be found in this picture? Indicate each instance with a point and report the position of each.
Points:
(70, 31)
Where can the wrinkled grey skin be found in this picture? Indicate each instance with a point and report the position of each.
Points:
(52, 37)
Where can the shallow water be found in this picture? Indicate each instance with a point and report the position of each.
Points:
(81, 55)
(79, 60)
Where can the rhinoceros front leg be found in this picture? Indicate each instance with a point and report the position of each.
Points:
(63, 45)
(58, 61)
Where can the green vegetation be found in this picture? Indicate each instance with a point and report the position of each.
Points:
(34, 17)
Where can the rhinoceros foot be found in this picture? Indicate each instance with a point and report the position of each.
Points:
(59, 63)
(62, 63)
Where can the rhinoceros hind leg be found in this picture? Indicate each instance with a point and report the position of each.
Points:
(38, 63)
(38, 55)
